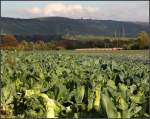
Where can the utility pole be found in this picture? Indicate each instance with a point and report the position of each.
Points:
(123, 32)
(116, 37)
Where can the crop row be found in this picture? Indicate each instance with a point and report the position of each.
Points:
(63, 85)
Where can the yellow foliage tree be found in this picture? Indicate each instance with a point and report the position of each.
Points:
(143, 38)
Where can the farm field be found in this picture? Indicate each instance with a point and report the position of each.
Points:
(75, 84)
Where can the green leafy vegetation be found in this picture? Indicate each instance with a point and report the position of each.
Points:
(73, 84)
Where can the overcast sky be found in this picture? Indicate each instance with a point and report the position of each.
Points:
(106, 10)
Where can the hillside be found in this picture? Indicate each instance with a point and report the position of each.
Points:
(61, 25)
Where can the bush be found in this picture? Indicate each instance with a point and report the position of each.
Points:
(135, 46)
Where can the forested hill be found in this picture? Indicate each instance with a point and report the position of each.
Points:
(61, 25)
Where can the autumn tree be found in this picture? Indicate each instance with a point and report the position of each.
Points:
(143, 39)
(8, 40)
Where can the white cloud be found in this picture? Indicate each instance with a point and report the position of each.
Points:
(60, 9)
(112, 11)
(34, 10)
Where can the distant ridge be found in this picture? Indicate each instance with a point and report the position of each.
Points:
(62, 25)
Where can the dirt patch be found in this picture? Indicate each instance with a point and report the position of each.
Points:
(99, 49)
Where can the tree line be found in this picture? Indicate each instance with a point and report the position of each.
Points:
(10, 41)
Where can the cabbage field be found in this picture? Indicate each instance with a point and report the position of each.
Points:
(74, 85)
